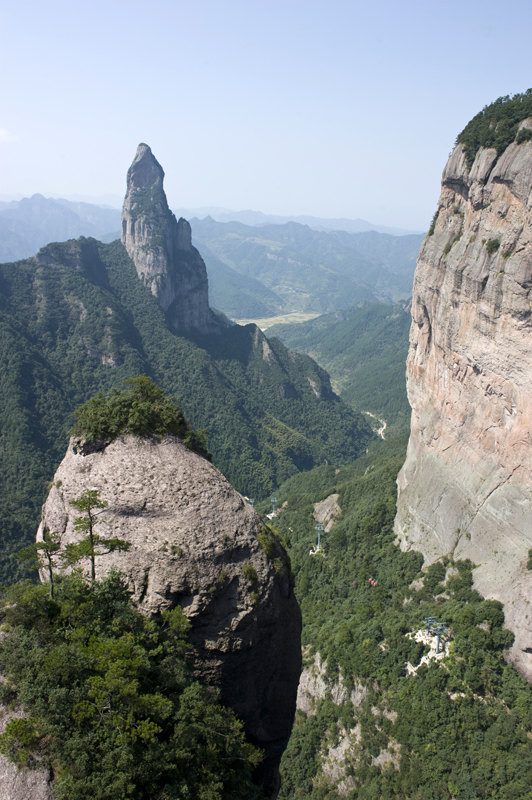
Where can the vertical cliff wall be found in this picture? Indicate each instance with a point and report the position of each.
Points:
(466, 486)
(161, 249)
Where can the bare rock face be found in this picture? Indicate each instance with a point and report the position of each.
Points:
(466, 486)
(196, 542)
(161, 249)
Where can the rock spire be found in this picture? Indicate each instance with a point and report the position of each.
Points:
(161, 249)
(465, 489)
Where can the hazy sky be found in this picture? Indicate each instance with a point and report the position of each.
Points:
(338, 108)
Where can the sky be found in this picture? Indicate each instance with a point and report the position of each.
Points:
(332, 109)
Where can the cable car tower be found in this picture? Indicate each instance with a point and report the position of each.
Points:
(429, 622)
(317, 549)
(439, 630)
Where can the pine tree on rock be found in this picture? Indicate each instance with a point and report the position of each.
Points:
(91, 504)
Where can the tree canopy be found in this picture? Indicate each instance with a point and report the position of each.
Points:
(110, 703)
(140, 408)
(496, 125)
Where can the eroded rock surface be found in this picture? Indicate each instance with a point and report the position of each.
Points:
(161, 249)
(466, 486)
(195, 542)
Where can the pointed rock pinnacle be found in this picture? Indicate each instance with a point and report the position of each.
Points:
(161, 248)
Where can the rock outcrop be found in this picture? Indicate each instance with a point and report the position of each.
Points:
(197, 543)
(466, 486)
(161, 249)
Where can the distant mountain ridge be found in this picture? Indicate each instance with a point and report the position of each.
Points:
(266, 267)
(301, 269)
(27, 225)
(258, 218)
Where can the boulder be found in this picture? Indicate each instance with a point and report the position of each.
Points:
(196, 542)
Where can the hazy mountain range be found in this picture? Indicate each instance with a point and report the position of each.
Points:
(258, 218)
(262, 268)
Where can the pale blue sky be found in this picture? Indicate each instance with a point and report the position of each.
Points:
(295, 107)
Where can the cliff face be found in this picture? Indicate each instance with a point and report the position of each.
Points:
(161, 249)
(466, 486)
(195, 542)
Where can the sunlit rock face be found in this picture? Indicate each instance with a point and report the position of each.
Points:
(162, 251)
(195, 542)
(466, 486)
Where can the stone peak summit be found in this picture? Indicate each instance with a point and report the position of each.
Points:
(145, 171)
(161, 249)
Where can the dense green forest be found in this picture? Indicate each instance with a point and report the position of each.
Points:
(459, 728)
(76, 320)
(364, 351)
(496, 125)
(111, 704)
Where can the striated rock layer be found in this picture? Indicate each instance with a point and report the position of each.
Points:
(161, 249)
(195, 542)
(466, 486)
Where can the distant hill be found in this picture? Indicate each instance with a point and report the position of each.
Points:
(364, 350)
(27, 225)
(302, 269)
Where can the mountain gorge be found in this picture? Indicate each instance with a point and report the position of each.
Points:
(415, 611)
(272, 269)
(364, 350)
(76, 319)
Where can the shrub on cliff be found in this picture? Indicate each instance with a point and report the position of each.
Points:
(140, 408)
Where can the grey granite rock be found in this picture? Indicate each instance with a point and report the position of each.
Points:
(21, 784)
(162, 251)
(196, 542)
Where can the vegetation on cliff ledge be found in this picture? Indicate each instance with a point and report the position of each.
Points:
(140, 408)
(496, 125)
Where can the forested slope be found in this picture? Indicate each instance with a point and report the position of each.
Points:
(76, 320)
(364, 351)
